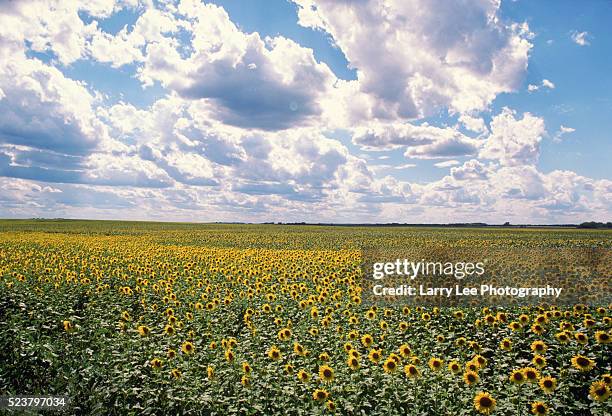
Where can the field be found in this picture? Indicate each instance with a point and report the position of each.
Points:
(162, 318)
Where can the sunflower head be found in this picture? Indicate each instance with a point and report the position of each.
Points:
(156, 363)
(411, 371)
(274, 353)
(539, 361)
(548, 384)
(353, 363)
(187, 347)
(583, 363)
(375, 355)
(599, 391)
(517, 377)
(470, 377)
(303, 376)
(484, 403)
(602, 337)
(531, 374)
(326, 373)
(320, 395)
(454, 367)
(435, 364)
(390, 365)
(539, 408)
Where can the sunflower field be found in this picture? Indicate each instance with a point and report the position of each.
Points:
(161, 318)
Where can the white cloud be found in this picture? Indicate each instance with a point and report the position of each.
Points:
(545, 84)
(581, 38)
(514, 141)
(413, 57)
(446, 163)
(563, 130)
(548, 84)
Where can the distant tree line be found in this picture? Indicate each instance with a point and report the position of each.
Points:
(593, 224)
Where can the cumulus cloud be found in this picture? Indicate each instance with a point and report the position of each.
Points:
(414, 57)
(420, 141)
(514, 141)
(243, 80)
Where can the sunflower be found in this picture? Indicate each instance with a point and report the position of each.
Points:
(326, 373)
(246, 367)
(331, 406)
(353, 363)
(320, 395)
(583, 363)
(375, 355)
(531, 374)
(284, 334)
(348, 346)
(537, 329)
(602, 337)
(404, 350)
(156, 363)
(288, 369)
(515, 326)
(210, 372)
(274, 353)
(460, 342)
(390, 365)
(171, 353)
(539, 361)
(187, 347)
(539, 346)
(303, 376)
(599, 391)
(299, 349)
(563, 337)
(484, 403)
(454, 367)
(607, 378)
(324, 356)
(505, 344)
(411, 371)
(143, 330)
(68, 327)
(581, 338)
(517, 377)
(539, 408)
(548, 384)
(403, 326)
(245, 381)
(176, 373)
(480, 360)
(169, 329)
(367, 340)
(435, 364)
(470, 377)
(472, 366)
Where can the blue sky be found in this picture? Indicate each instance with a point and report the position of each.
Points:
(307, 110)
